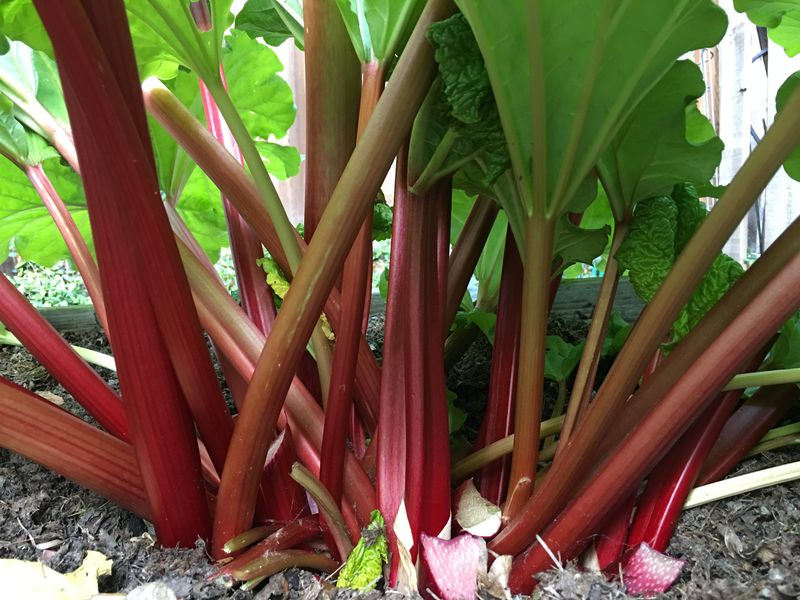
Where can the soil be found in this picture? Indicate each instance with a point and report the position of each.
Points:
(743, 547)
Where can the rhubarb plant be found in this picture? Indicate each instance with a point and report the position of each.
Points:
(526, 138)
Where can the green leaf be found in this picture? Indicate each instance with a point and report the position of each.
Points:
(173, 165)
(459, 123)
(489, 269)
(455, 416)
(25, 221)
(364, 566)
(560, 358)
(721, 276)
(484, 320)
(576, 244)
(378, 28)
(262, 97)
(13, 137)
(792, 83)
(651, 153)
(201, 209)
(382, 217)
(181, 42)
(275, 278)
(691, 213)
(383, 283)
(785, 353)
(780, 17)
(616, 334)
(593, 63)
(282, 161)
(20, 21)
(648, 250)
(271, 21)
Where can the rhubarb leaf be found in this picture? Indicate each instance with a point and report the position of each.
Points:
(364, 566)
(785, 353)
(577, 244)
(474, 513)
(378, 28)
(721, 276)
(691, 213)
(792, 164)
(780, 17)
(200, 208)
(648, 250)
(651, 152)
(560, 358)
(281, 161)
(173, 24)
(592, 64)
(382, 218)
(20, 21)
(272, 21)
(459, 123)
(24, 220)
(262, 97)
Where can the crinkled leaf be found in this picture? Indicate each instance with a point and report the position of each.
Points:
(273, 22)
(201, 209)
(25, 220)
(560, 358)
(721, 276)
(262, 97)
(459, 122)
(275, 277)
(792, 164)
(593, 63)
(691, 213)
(651, 152)
(364, 566)
(20, 21)
(378, 28)
(648, 250)
(780, 17)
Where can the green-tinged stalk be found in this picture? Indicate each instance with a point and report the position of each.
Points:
(496, 450)
(674, 400)
(241, 341)
(579, 455)
(76, 245)
(586, 375)
(537, 261)
(283, 228)
(316, 276)
(238, 186)
(44, 433)
(742, 484)
(328, 506)
(273, 562)
(333, 85)
(759, 378)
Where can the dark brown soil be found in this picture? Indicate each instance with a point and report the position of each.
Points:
(744, 547)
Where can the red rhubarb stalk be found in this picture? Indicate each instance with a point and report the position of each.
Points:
(676, 401)
(316, 276)
(41, 431)
(498, 421)
(55, 355)
(72, 238)
(745, 428)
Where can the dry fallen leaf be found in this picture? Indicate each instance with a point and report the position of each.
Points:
(35, 581)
